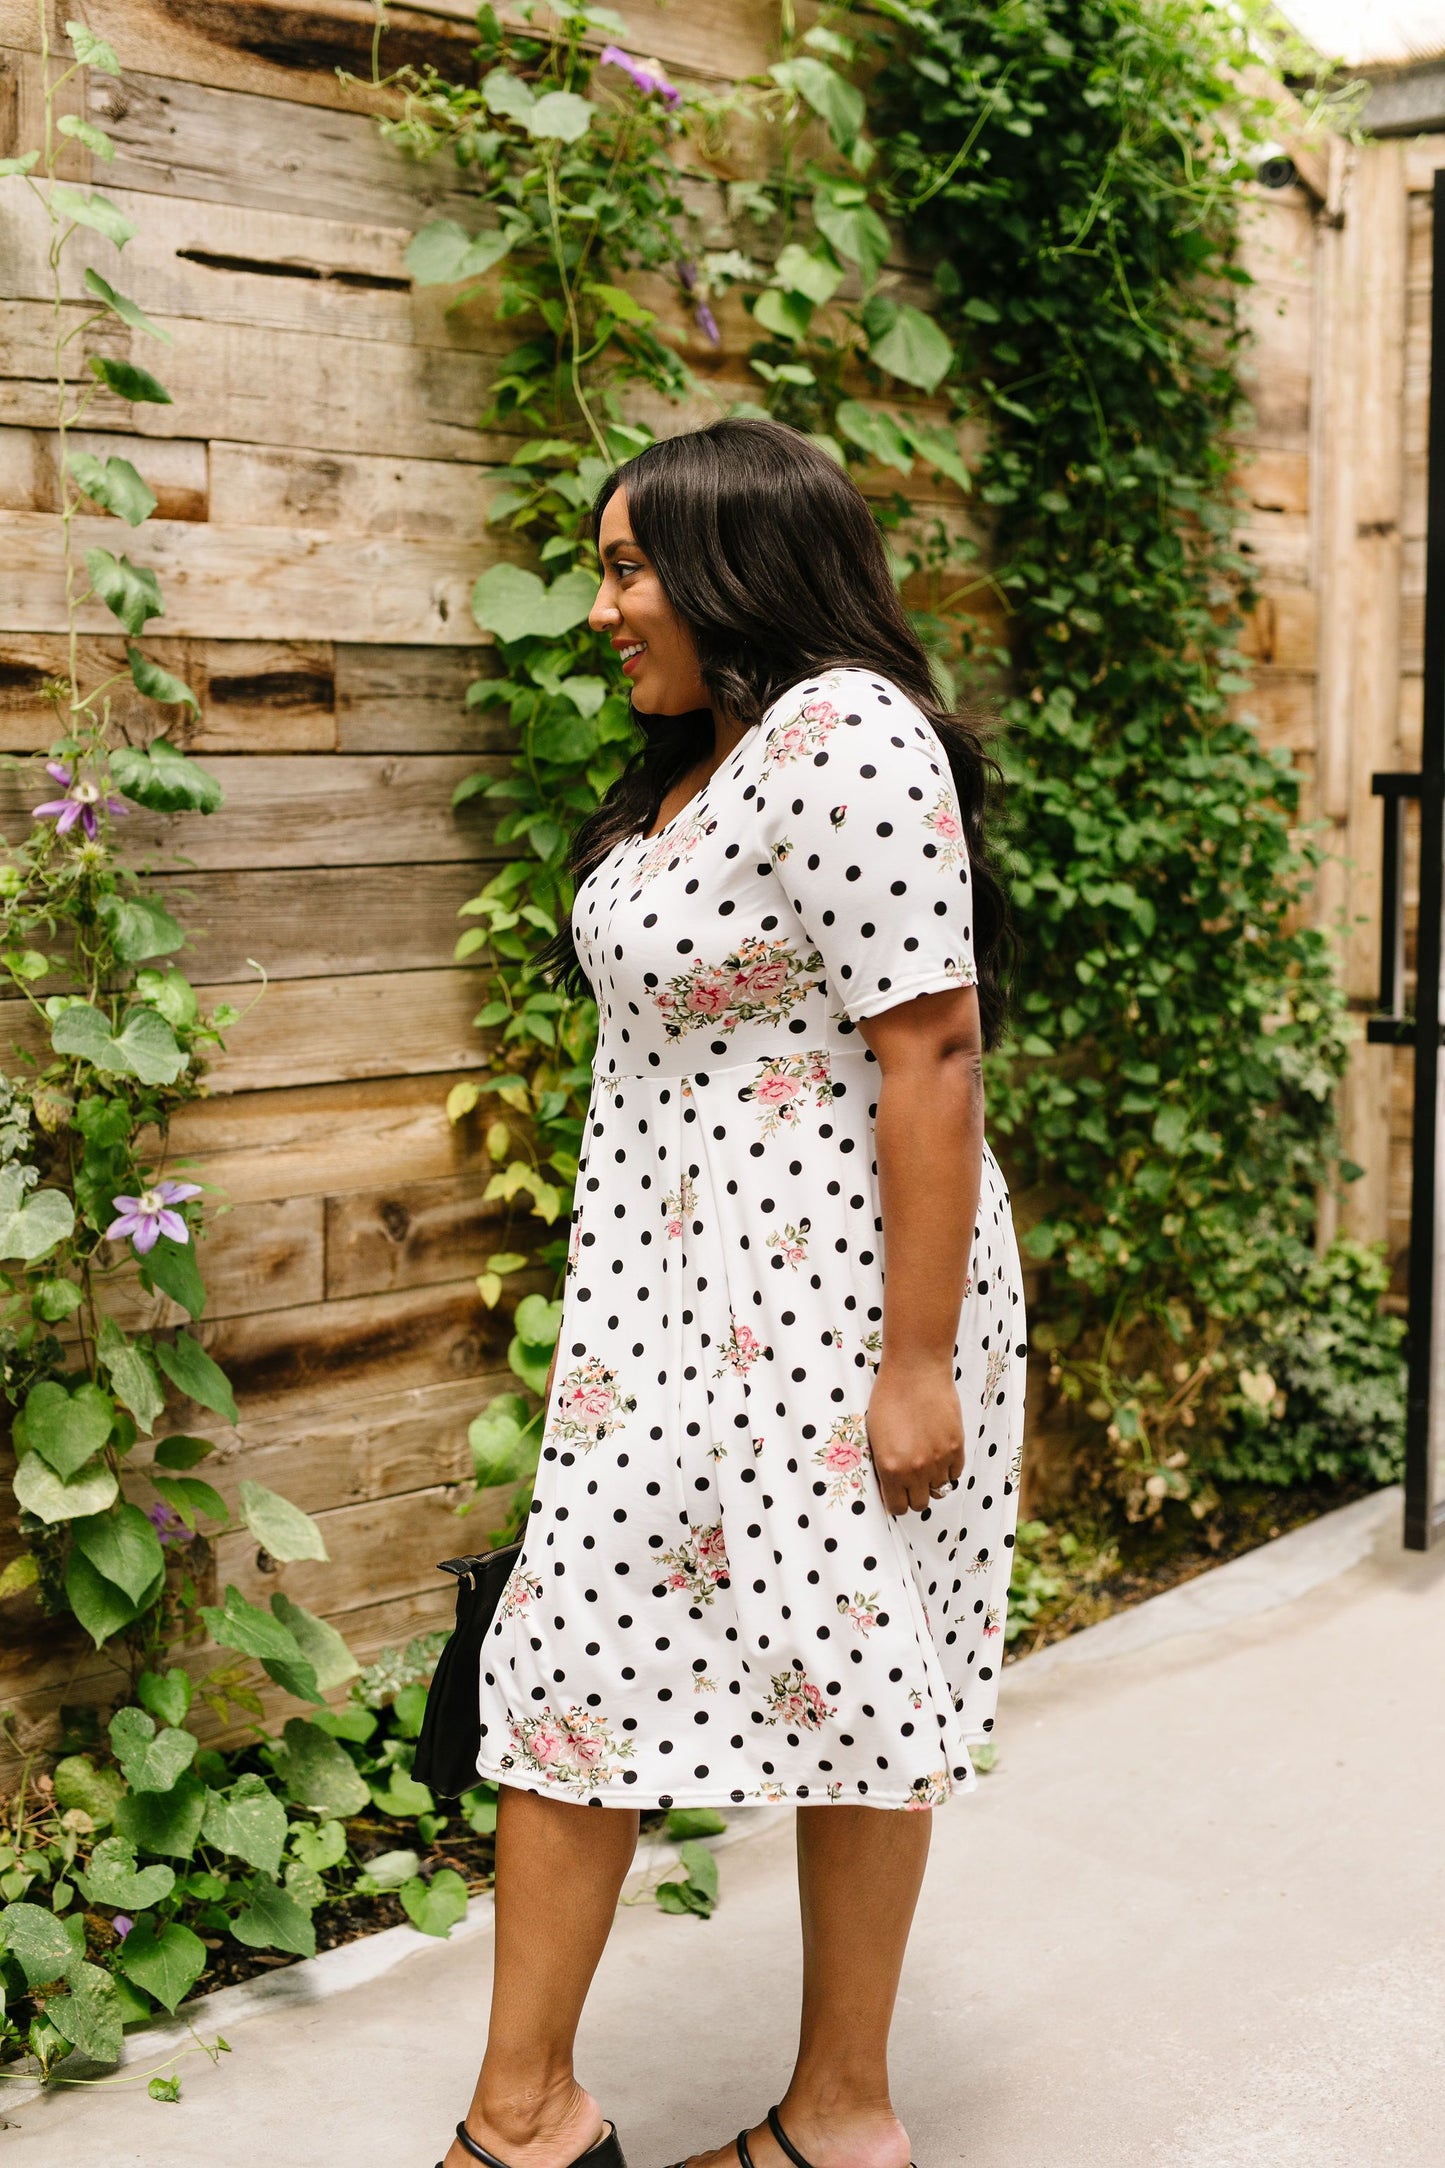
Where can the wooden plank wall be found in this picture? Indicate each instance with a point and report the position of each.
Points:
(322, 487)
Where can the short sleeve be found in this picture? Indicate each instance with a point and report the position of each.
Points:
(860, 816)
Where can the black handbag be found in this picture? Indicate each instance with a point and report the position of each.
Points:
(451, 1727)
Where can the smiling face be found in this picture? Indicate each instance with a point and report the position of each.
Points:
(657, 651)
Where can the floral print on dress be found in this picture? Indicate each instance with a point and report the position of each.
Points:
(671, 845)
(760, 978)
(932, 1791)
(741, 1349)
(699, 1566)
(998, 1362)
(521, 1589)
(679, 1205)
(781, 1088)
(795, 1700)
(589, 1406)
(574, 1748)
(942, 818)
(800, 736)
(792, 1243)
(861, 1612)
(844, 1459)
(992, 1620)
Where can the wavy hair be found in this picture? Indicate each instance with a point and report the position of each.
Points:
(769, 555)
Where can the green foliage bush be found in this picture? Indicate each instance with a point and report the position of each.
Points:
(1320, 1386)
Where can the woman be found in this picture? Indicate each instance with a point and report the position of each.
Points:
(769, 1550)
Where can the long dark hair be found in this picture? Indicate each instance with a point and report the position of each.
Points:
(769, 554)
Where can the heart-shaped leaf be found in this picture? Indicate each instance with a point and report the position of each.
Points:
(157, 684)
(167, 1964)
(320, 1643)
(41, 1492)
(139, 928)
(515, 605)
(122, 306)
(560, 116)
(124, 1547)
(318, 1772)
(191, 1370)
(32, 1222)
(131, 1373)
(165, 1822)
(39, 1942)
(278, 1526)
(115, 485)
(248, 1821)
(163, 779)
(168, 1699)
(130, 592)
(95, 211)
(272, 1920)
(66, 1428)
(113, 1878)
(90, 2016)
(129, 382)
(151, 1760)
(103, 1609)
(435, 1906)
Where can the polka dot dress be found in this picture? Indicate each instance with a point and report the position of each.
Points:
(713, 1607)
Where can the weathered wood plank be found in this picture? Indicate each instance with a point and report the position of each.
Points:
(1283, 629)
(313, 1031)
(331, 1354)
(255, 695)
(264, 386)
(323, 1140)
(323, 922)
(393, 1443)
(259, 583)
(1282, 703)
(264, 486)
(308, 810)
(288, 49)
(236, 147)
(195, 261)
(416, 1235)
(412, 699)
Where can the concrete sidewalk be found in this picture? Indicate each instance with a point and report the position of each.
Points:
(1195, 1918)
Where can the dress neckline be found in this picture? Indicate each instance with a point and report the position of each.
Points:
(700, 793)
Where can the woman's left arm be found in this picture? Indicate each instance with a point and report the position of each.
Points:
(929, 1144)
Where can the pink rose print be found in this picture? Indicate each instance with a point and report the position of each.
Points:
(574, 1748)
(742, 1349)
(760, 978)
(781, 1088)
(794, 1700)
(589, 1406)
(800, 736)
(943, 819)
(931, 1791)
(845, 1458)
(699, 1567)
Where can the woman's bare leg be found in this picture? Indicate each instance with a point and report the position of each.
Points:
(560, 1869)
(859, 1873)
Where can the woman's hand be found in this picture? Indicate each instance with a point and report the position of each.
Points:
(915, 1430)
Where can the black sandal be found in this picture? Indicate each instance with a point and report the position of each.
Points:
(745, 2158)
(606, 2153)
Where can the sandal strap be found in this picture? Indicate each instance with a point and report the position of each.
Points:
(785, 2141)
(744, 2156)
(478, 2152)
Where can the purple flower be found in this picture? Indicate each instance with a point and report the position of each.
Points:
(122, 1923)
(707, 323)
(147, 1217)
(78, 804)
(687, 272)
(647, 75)
(167, 1523)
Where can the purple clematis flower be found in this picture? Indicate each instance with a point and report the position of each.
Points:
(146, 1218)
(702, 314)
(122, 1923)
(167, 1523)
(79, 803)
(645, 74)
